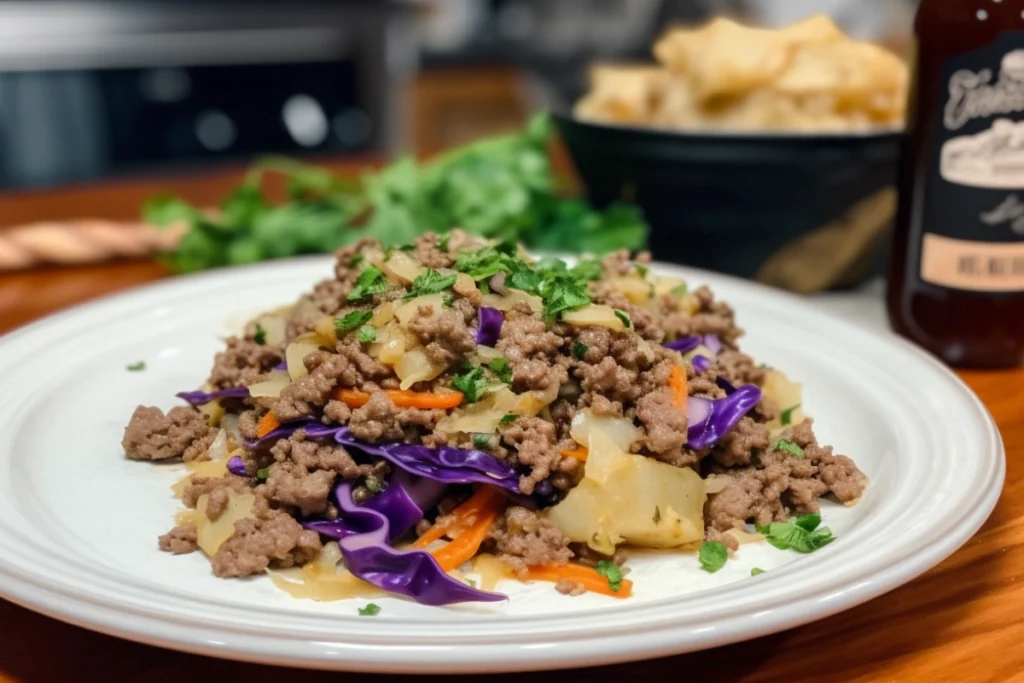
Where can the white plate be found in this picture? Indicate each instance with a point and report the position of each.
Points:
(78, 523)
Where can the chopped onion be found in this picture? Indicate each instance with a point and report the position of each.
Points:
(229, 423)
(482, 417)
(390, 346)
(326, 331)
(210, 536)
(414, 366)
(402, 267)
(213, 411)
(294, 355)
(491, 570)
(507, 302)
(383, 314)
(274, 329)
(743, 537)
(663, 284)
(636, 289)
(218, 450)
(272, 386)
(620, 430)
(214, 469)
(716, 483)
(594, 315)
(465, 285)
(407, 310)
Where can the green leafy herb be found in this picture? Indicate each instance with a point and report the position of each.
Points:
(712, 555)
(263, 473)
(791, 448)
(579, 349)
(471, 582)
(472, 384)
(136, 367)
(587, 270)
(261, 335)
(642, 269)
(371, 610)
(370, 282)
(657, 514)
(680, 290)
(612, 572)
(756, 571)
(624, 317)
(484, 288)
(501, 369)
(482, 263)
(507, 418)
(482, 442)
(562, 293)
(355, 260)
(373, 484)
(430, 282)
(801, 534)
(366, 334)
(351, 321)
(787, 415)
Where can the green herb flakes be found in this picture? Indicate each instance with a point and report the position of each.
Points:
(501, 369)
(579, 349)
(263, 473)
(712, 556)
(366, 334)
(642, 270)
(790, 448)
(681, 290)
(472, 384)
(372, 484)
(612, 572)
(355, 260)
(261, 335)
(482, 442)
(371, 610)
(370, 282)
(787, 415)
(624, 317)
(756, 571)
(507, 418)
(430, 282)
(136, 367)
(351, 321)
(801, 534)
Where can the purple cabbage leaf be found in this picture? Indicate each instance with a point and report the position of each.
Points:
(709, 420)
(489, 329)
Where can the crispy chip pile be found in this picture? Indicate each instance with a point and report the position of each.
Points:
(725, 76)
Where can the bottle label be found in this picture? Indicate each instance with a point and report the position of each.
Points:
(974, 205)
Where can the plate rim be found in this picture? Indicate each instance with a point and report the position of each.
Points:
(214, 642)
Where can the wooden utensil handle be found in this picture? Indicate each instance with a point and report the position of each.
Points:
(90, 240)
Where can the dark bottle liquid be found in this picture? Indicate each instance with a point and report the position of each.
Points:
(956, 280)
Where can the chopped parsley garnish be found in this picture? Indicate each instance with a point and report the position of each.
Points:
(624, 317)
(562, 294)
(373, 484)
(355, 260)
(756, 571)
(136, 367)
(507, 417)
(642, 269)
(501, 369)
(800, 534)
(587, 271)
(712, 556)
(443, 244)
(483, 263)
(371, 610)
(787, 415)
(472, 384)
(366, 334)
(681, 290)
(612, 572)
(371, 281)
(657, 514)
(430, 282)
(351, 321)
(525, 279)
(471, 582)
(261, 335)
(579, 349)
(791, 448)
(484, 288)
(263, 473)
(447, 299)
(482, 442)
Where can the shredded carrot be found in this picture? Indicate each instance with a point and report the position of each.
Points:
(267, 424)
(677, 381)
(587, 577)
(580, 454)
(469, 526)
(460, 518)
(402, 399)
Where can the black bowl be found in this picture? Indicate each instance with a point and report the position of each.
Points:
(727, 202)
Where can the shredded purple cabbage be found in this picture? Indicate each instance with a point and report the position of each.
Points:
(237, 466)
(713, 343)
(687, 344)
(490, 322)
(281, 366)
(709, 420)
(701, 363)
(198, 398)
(363, 539)
(725, 384)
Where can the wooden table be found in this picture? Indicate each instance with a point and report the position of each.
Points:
(963, 621)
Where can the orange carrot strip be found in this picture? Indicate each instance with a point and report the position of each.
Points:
(677, 381)
(586, 576)
(580, 454)
(402, 399)
(485, 506)
(461, 517)
(268, 423)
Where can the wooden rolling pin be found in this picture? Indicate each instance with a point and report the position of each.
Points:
(81, 241)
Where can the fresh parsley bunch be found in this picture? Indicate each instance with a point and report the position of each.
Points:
(501, 188)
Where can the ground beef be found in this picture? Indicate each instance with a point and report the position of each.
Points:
(290, 483)
(524, 538)
(642, 320)
(609, 379)
(180, 540)
(314, 455)
(181, 433)
(664, 423)
(728, 540)
(302, 396)
(532, 352)
(198, 486)
(586, 555)
(782, 485)
(381, 420)
(443, 333)
(738, 445)
(349, 261)
(364, 372)
(243, 362)
(570, 587)
(272, 538)
(738, 368)
(537, 447)
(429, 253)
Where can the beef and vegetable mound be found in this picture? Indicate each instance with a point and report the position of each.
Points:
(456, 409)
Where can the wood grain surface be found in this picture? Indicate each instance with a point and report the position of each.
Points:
(963, 621)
